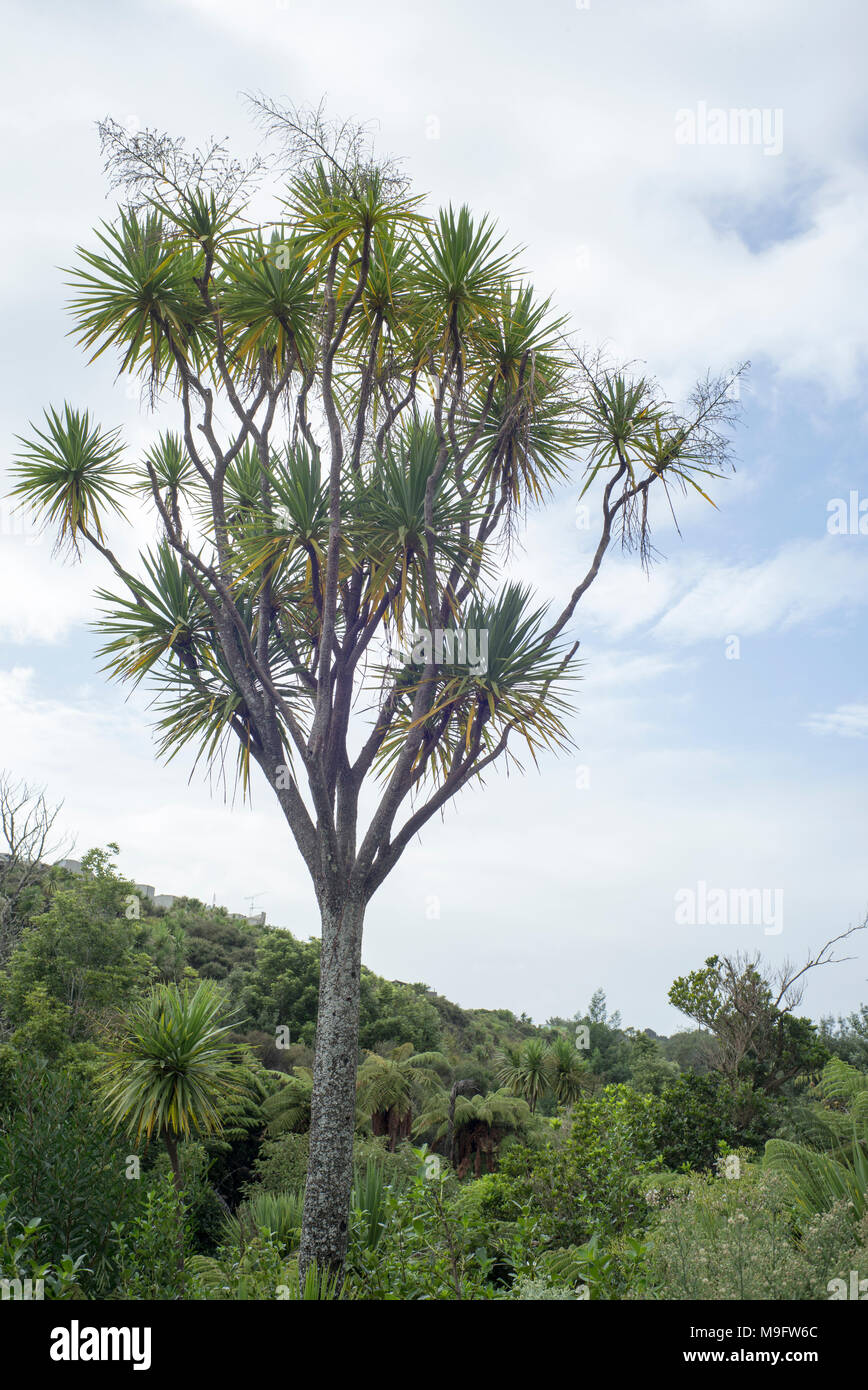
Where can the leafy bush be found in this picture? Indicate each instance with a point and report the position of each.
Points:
(206, 1213)
(76, 961)
(596, 1271)
(60, 1159)
(18, 1260)
(281, 1165)
(256, 1271)
(398, 1168)
(154, 1249)
(735, 1239)
(584, 1180)
(694, 1117)
(399, 1013)
(427, 1247)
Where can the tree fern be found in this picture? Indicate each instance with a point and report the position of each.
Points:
(817, 1180)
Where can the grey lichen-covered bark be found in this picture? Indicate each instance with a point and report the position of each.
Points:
(333, 1104)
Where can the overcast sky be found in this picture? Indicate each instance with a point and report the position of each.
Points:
(594, 135)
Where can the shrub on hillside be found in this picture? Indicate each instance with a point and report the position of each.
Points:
(719, 1239)
(584, 1180)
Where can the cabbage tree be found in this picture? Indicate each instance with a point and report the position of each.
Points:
(360, 401)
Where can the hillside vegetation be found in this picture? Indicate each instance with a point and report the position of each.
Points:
(155, 1087)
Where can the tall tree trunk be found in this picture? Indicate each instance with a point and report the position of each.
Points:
(333, 1101)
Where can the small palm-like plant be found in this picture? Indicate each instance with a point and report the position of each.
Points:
(171, 1072)
(525, 1071)
(567, 1071)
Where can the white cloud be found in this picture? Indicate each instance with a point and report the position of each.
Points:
(667, 273)
(40, 602)
(848, 721)
(689, 599)
(624, 670)
(803, 581)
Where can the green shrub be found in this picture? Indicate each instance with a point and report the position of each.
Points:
(205, 1212)
(694, 1117)
(256, 1271)
(398, 1168)
(609, 1270)
(60, 1159)
(19, 1263)
(154, 1249)
(584, 1180)
(281, 1165)
(737, 1239)
(427, 1248)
